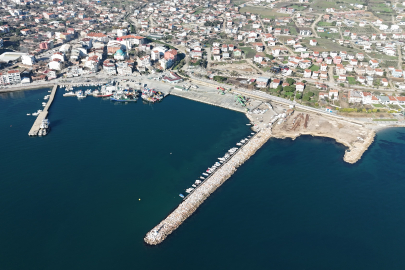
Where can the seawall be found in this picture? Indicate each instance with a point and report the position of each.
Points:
(159, 233)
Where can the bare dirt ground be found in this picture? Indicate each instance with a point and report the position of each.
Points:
(240, 68)
(356, 137)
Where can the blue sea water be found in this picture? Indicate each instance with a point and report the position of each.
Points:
(84, 196)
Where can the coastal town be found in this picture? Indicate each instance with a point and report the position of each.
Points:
(343, 58)
(306, 67)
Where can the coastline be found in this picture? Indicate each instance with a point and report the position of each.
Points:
(352, 154)
(355, 148)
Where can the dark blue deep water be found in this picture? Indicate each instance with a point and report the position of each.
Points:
(70, 200)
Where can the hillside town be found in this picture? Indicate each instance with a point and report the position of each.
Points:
(342, 57)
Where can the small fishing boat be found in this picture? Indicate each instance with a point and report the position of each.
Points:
(28, 114)
(181, 195)
(202, 178)
(204, 174)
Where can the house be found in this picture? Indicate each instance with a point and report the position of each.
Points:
(393, 100)
(304, 64)
(237, 53)
(307, 73)
(144, 61)
(323, 95)
(373, 63)
(324, 75)
(275, 83)
(384, 82)
(337, 60)
(98, 36)
(361, 79)
(333, 94)
(131, 40)
(383, 99)
(28, 59)
(172, 78)
(12, 77)
(397, 73)
(305, 32)
(262, 82)
(313, 42)
(109, 67)
(354, 96)
(258, 46)
(258, 58)
(299, 86)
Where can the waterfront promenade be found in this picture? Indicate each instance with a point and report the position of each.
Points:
(194, 200)
(36, 126)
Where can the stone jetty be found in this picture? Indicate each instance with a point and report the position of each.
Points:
(194, 200)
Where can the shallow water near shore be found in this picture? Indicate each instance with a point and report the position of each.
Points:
(70, 200)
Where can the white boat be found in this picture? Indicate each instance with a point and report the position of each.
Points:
(28, 114)
(80, 94)
(194, 186)
(202, 178)
(69, 94)
(239, 144)
(205, 174)
(44, 124)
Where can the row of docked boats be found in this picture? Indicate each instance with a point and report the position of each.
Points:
(117, 94)
(217, 164)
(44, 128)
(70, 87)
(151, 95)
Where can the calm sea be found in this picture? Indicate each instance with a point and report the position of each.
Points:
(84, 196)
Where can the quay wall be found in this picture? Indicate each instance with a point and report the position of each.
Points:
(159, 233)
(26, 87)
(184, 95)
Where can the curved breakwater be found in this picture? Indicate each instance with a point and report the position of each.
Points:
(194, 200)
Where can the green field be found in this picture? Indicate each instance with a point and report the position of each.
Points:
(249, 52)
(264, 12)
(351, 80)
(325, 24)
(314, 68)
(390, 120)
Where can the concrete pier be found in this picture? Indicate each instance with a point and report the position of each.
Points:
(36, 126)
(194, 200)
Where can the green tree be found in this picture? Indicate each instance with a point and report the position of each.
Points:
(298, 96)
(220, 78)
(279, 89)
(306, 98)
(310, 94)
(290, 81)
(288, 89)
